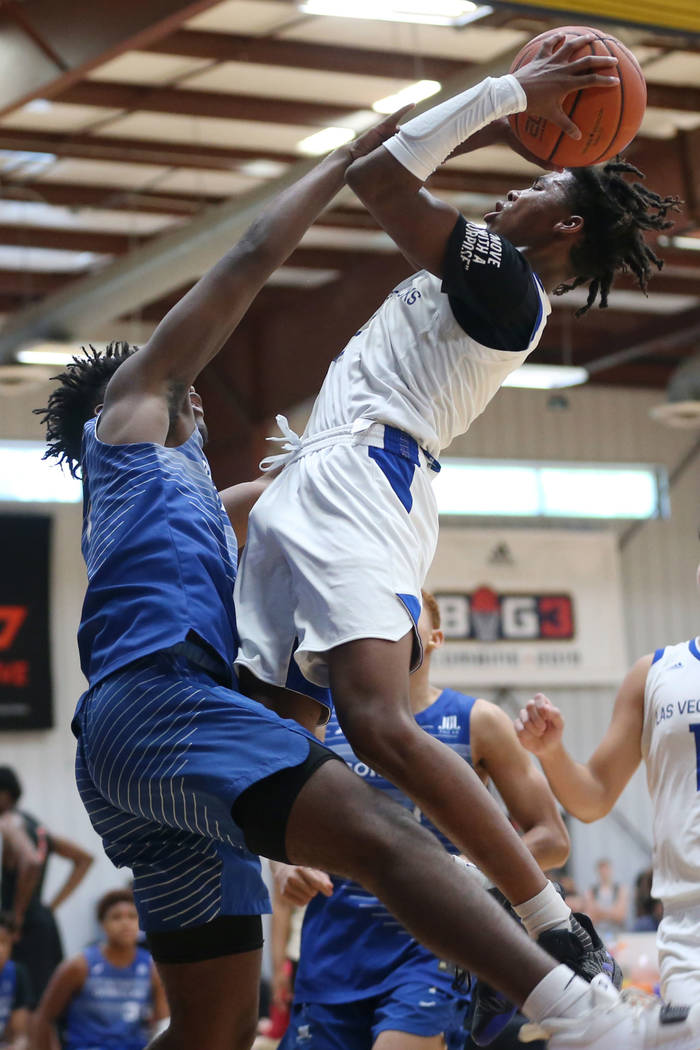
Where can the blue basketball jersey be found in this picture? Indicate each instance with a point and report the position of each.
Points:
(160, 552)
(351, 946)
(112, 1009)
(8, 984)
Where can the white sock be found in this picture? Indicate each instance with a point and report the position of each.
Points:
(560, 994)
(546, 911)
(422, 144)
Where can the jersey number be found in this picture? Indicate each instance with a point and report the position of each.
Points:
(694, 727)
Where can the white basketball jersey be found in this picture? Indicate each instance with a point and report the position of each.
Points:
(671, 750)
(414, 367)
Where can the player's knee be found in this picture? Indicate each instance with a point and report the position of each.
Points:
(386, 745)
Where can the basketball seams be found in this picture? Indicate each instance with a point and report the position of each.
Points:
(570, 114)
(621, 101)
(630, 96)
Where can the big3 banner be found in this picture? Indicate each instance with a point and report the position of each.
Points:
(528, 607)
(25, 658)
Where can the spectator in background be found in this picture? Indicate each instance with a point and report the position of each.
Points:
(648, 910)
(15, 995)
(607, 902)
(38, 945)
(109, 996)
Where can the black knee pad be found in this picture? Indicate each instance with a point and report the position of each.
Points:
(262, 810)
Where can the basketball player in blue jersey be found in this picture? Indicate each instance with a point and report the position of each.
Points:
(656, 719)
(363, 983)
(109, 996)
(340, 543)
(15, 992)
(186, 779)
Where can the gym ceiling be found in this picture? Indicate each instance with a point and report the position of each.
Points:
(137, 141)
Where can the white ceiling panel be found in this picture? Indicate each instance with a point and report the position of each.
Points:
(103, 173)
(57, 116)
(664, 123)
(47, 260)
(249, 78)
(494, 158)
(302, 277)
(207, 183)
(628, 301)
(471, 44)
(209, 131)
(678, 67)
(103, 220)
(350, 240)
(146, 67)
(244, 16)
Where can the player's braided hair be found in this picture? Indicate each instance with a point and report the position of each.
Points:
(616, 213)
(72, 403)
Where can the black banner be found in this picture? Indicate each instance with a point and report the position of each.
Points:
(25, 657)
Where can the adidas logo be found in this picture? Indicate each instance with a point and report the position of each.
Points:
(449, 724)
(675, 667)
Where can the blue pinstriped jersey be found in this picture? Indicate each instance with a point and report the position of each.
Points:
(112, 1009)
(160, 552)
(351, 947)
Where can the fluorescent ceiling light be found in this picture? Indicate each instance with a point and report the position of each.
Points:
(263, 169)
(558, 490)
(38, 105)
(426, 12)
(413, 93)
(324, 141)
(685, 244)
(546, 377)
(48, 354)
(27, 478)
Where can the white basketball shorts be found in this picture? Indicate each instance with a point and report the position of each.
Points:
(338, 548)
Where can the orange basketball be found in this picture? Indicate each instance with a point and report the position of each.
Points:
(609, 117)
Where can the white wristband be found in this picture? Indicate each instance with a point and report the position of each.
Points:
(422, 144)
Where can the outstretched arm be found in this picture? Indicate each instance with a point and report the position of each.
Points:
(527, 796)
(589, 791)
(147, 398)
(389, 180)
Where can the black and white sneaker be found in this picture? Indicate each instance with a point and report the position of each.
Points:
(582, 950)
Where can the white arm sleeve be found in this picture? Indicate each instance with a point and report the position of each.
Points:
(422, 144)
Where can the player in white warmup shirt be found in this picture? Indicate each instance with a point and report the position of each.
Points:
(656, 719)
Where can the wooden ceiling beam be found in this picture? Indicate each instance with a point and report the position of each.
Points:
(69, 240)
(135, 98)
(78, 195)
(135, 151)
(49, 45)
(28, 283)
(229, 106)
(269, 51)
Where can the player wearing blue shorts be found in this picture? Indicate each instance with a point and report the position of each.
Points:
(362, 981)
(109, 996)
(185, 778)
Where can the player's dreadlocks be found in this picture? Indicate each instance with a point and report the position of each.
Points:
(72, 403)
(615, 213)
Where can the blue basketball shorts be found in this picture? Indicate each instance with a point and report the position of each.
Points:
(415, 1008)
(163, 753)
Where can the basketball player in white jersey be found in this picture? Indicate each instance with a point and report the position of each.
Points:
(656, 718)
(340, 542)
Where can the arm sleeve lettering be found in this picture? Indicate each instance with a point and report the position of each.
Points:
(491, 288)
